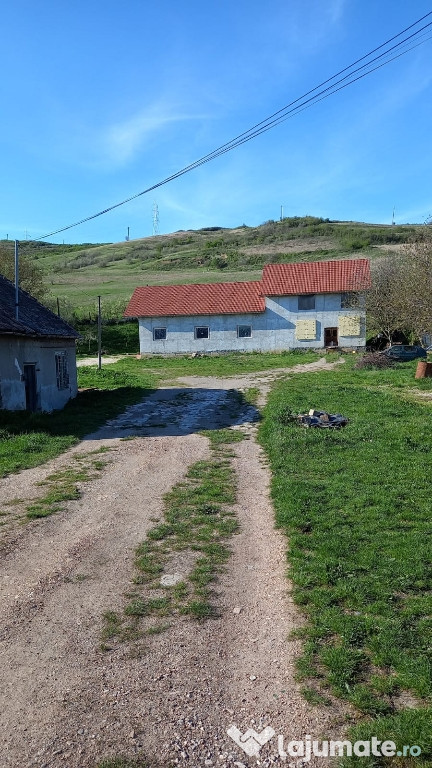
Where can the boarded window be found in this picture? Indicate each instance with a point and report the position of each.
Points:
(202, 332)
(159, 334)
(306, 330)
(349, 325)
(62, 370)
(244, 331)
(307, 301)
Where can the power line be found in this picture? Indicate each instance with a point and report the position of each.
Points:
(296, 106)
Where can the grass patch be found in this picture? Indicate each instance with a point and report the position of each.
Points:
(356, 504)
(62, 485)
(198, 520)
(123, 762)
(251, 395)
(231, 364)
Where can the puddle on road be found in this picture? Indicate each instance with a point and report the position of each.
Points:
(176, 411)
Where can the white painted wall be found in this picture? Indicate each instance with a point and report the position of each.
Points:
(272, 330)
(15, 351)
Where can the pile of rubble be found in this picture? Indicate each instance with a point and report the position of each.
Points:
(322, 419)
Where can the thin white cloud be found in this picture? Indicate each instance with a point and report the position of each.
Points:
(122, 141)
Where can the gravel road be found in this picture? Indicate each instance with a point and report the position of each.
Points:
(64, 701)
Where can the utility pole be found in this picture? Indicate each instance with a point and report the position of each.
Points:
(155, 219)
(281, 216)
(99, 334)
(58, 306)
(16, 281)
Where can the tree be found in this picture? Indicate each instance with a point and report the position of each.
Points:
(383, 300)
(400, 297)
(416, 265)
(30, 274)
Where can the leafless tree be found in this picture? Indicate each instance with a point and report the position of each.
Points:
(401, 293)
(384, 300)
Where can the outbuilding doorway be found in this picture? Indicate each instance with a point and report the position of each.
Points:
(330, 337)
(30, 386)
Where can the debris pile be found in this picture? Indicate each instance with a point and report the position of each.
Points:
(322, 419)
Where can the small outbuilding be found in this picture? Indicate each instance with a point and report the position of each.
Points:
(37, 354)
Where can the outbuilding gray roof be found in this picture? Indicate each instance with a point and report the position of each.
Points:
(33, 318)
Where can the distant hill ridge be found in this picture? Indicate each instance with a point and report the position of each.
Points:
(79, 273)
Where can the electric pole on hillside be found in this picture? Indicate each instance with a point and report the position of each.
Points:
(155, 219)
(99, 334)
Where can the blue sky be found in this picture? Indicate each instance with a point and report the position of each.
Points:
(103, 99)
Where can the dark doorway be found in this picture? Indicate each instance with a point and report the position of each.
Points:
(330, 337)
(30, 386)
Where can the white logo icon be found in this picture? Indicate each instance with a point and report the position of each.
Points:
(251, 741)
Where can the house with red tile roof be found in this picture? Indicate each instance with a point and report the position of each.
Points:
(307, 305)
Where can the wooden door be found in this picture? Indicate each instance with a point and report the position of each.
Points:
(30, 386)
(330, 337)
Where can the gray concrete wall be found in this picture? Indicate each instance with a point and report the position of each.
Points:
(272, 330)
(15, 352)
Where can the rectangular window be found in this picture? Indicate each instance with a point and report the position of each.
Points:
(62, 370)
(244, 331)
(202, 332)
(307, 301)
(350, 300)
(159, 334)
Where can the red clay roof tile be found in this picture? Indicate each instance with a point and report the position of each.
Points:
(196, 299)
(316, 277)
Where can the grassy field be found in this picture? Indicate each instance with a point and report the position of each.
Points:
(357, 506)
(78, 274)
(233, 364)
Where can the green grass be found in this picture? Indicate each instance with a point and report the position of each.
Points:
(124, 762)
(62, 485)
(356, 505)
(119, 339)
(233, 364)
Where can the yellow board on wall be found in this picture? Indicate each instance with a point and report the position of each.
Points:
(306, 329)
(349, 325)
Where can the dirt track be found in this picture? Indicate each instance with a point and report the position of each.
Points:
(64, 702)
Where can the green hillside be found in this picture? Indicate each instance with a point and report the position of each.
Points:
(76, 274)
